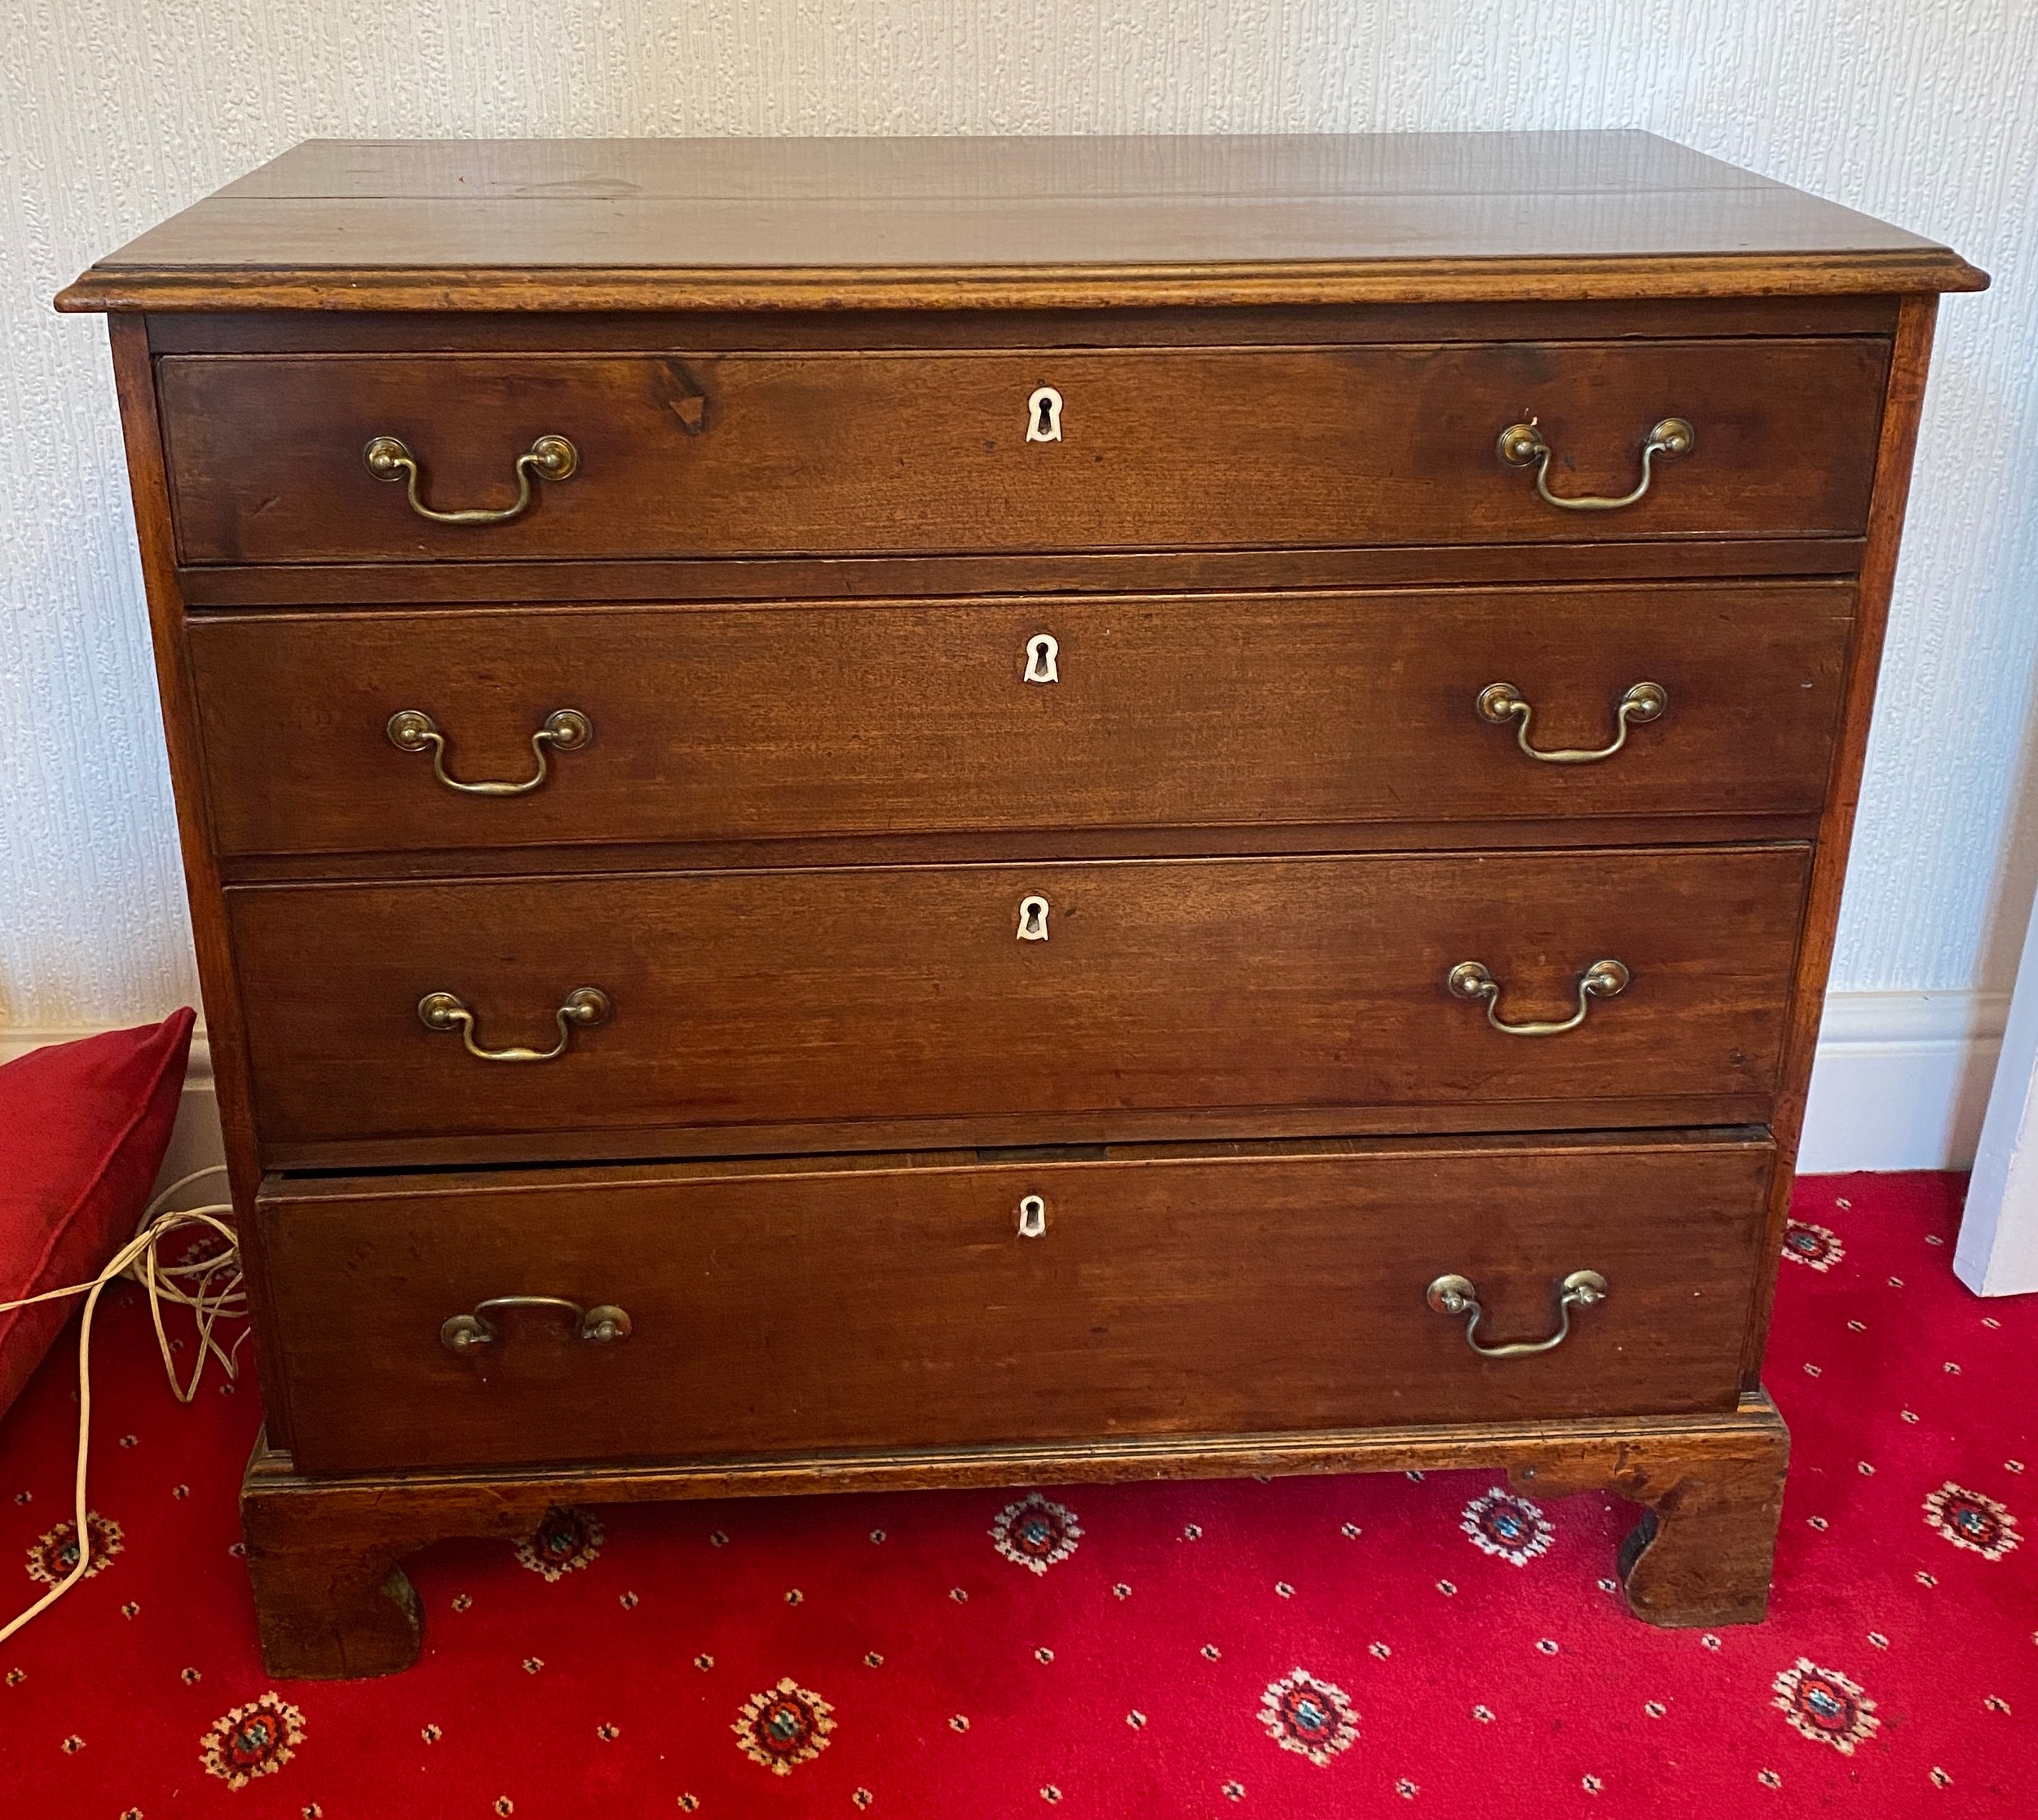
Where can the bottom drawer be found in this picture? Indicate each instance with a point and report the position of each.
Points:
(896, 1302)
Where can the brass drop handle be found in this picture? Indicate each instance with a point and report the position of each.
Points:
(567, 729)
(1501, 702)
(599, 1326)
(584, 1006)
(1459, 1295)
(550, 458)
(1602, 980)
(1521, 443)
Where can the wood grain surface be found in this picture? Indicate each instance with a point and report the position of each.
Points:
(1896, 446)
(951, 223)
(227, 331)
(792, 584)
(763, 723)
(898, 1307)
(721, 580)
(134, 380)
(761, 455)
(767, 998)
(332, 1601)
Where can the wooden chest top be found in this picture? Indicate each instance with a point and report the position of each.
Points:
(953, 223)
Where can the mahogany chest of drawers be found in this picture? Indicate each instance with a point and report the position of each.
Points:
(883, 813)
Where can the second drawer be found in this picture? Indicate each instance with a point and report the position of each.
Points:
(1070, 1002)
(722, 724)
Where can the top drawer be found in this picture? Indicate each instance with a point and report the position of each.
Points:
(760, 454)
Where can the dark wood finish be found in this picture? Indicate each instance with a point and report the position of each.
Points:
(637, 332)
(332, 1601)
(763, 723)
(149, 485)
(900, 1307)
(1027, 1129)
(1894, 451)
(801, 943)
(883, 993)
(1027, 845)
(368, 586)
(938, 224)
(655, 290)
(1702, 1551)
(792, 454)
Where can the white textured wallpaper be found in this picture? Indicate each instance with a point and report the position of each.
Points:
(114, 113)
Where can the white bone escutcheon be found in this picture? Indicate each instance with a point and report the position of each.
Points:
(1042, 652)
(1033, 1217)
(1043, 416)
(1032, 918)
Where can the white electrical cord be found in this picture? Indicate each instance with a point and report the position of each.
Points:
(195, 1285)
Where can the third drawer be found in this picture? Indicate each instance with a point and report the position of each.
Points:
(728, 723)
(873, 1006)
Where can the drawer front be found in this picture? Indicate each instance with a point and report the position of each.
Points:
(732, 723)
(820, 1307)
(770, 999)
(818, 454)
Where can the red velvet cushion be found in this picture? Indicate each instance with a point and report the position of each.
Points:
(83, 1127)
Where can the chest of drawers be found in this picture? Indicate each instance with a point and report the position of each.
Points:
(873, 814)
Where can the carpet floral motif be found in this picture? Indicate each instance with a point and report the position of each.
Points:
(1510, 1526)
(784, 1725)
(53, 1555)
(1036, 1532)
(568, 1538)
(1825, 1706)
(252, 1740)
(1968, 1520)
(1313, 1718)
(1817, 1247)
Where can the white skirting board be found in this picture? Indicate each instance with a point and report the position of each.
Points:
(1902, 1082)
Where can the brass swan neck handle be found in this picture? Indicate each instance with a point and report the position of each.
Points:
(585, 1007)
(600, 1326)
(1459, 1295)
(567, 729)
(1606, 979)
(550, 458)
(1522, 443)
(1502, 702)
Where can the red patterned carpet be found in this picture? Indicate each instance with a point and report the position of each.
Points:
(1297, 1649)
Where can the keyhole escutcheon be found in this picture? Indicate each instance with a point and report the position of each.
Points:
(1042, 649)
(1043, 416)
(1032, 918)
(1033, 1217)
